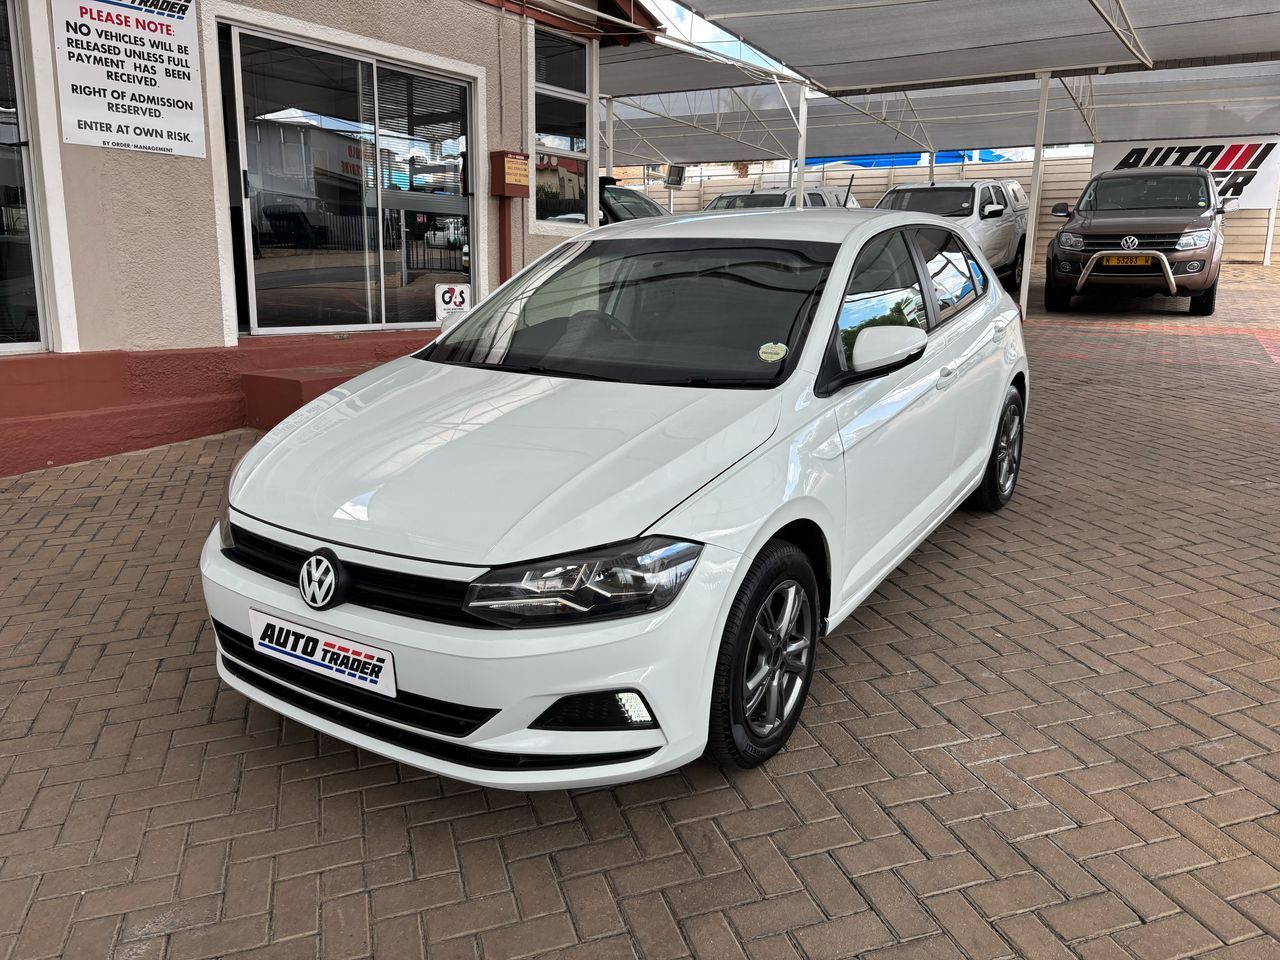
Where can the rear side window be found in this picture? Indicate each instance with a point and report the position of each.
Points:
(817, 200)
(747, 201)
(632, 204)
(884, 290)
(1019, 195)
(948, 261)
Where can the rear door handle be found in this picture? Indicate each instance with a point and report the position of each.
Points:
(946, 377)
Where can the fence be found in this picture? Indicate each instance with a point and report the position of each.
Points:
(1246, 230)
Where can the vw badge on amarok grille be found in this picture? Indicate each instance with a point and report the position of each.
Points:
(318, 580)
(1129, 243)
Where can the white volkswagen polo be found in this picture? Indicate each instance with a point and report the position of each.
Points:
(601, 525)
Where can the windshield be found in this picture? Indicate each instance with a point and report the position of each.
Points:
(631, 204)
(1138, 192)
(942, 201)
(690, 312)
(747, 201)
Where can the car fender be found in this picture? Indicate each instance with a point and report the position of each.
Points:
(798, 475)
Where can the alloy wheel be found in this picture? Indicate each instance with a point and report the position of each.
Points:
(1008, 449)
(777, 659)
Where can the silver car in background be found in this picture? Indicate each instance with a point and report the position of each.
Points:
(994, 212)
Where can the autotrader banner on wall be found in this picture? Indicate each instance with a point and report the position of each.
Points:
(1245, 168)
(129, 75)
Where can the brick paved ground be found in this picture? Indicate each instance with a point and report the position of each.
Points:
(1053, 732)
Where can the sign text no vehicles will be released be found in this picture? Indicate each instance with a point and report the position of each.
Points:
(129, 75)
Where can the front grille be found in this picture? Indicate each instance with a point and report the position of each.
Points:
(447, 750)
(426, 713)
(423, 598)
(1094, 242)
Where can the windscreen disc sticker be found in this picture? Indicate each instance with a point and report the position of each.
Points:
(773, 352)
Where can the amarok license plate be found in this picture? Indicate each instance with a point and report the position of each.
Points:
(1117, 260)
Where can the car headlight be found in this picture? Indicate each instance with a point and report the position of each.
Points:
(225, 538)
(1194, 239)
(1070, 241)
(617, 581)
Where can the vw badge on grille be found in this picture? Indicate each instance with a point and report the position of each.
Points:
(318, 580)
(1130, 242)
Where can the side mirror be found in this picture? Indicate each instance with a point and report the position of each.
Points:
(881, 349)
(992, 210)
(1061, 210)
(1230, 206)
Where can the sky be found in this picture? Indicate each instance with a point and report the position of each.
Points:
(685, 24)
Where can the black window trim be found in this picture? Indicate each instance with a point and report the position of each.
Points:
(935, 315)
(829, 382)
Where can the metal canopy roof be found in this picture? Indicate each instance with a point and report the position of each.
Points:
(660, 67)
(848, 46)
(754, 123)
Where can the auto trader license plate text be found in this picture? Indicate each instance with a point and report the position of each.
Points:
(358, 664)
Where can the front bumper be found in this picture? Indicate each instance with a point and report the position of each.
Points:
(1175, 274)
(515, 674)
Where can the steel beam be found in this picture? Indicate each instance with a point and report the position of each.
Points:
(1116, 18)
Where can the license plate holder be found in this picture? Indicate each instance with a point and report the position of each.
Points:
(357, 664)
(1126, 260)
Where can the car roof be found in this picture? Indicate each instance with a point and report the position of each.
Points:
(823, 224)
(1147, 171)
(749, 190)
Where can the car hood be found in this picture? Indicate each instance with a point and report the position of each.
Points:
(484, 467)
(1132, 221)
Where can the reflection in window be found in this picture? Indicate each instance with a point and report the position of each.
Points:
(884, 290)
(560, 186)
(19, 316)
(560, 128)
(947, 263)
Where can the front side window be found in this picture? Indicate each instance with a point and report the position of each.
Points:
(947, 262)
(561, 129)
(997, 196)
(693, 312)
(883, 290)
(1147, 192)
(942, 201)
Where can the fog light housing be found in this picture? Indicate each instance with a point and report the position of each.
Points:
(1194, 266)
(1064, 266)
(607, 710)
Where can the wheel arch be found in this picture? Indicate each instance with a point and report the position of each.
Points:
(805, 534)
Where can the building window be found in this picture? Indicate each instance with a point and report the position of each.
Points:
(19, 289)
(561, 129)
(349, 185)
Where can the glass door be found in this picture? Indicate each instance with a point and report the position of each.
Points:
(355, 187)
(19, 286)
(422, 176)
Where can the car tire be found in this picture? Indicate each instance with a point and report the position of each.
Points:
(1203, 304)
(1056, 299)
(1000, 478)
(1013, 278)
(751, 721)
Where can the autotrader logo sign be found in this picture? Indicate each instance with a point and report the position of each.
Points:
(318, 581)
(1244, 170)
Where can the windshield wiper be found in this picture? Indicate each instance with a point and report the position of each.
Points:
(554, 372)
(713, 382)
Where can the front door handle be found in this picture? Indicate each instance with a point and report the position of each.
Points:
(998, 329)
(946, 377)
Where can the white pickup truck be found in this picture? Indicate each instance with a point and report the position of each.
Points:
(994, 212)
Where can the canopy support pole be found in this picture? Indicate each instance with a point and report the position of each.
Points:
(1033, 210)
(802, 144)
(608, 136)
(1271, 230)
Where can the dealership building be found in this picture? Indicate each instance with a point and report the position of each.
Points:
(213, 209)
